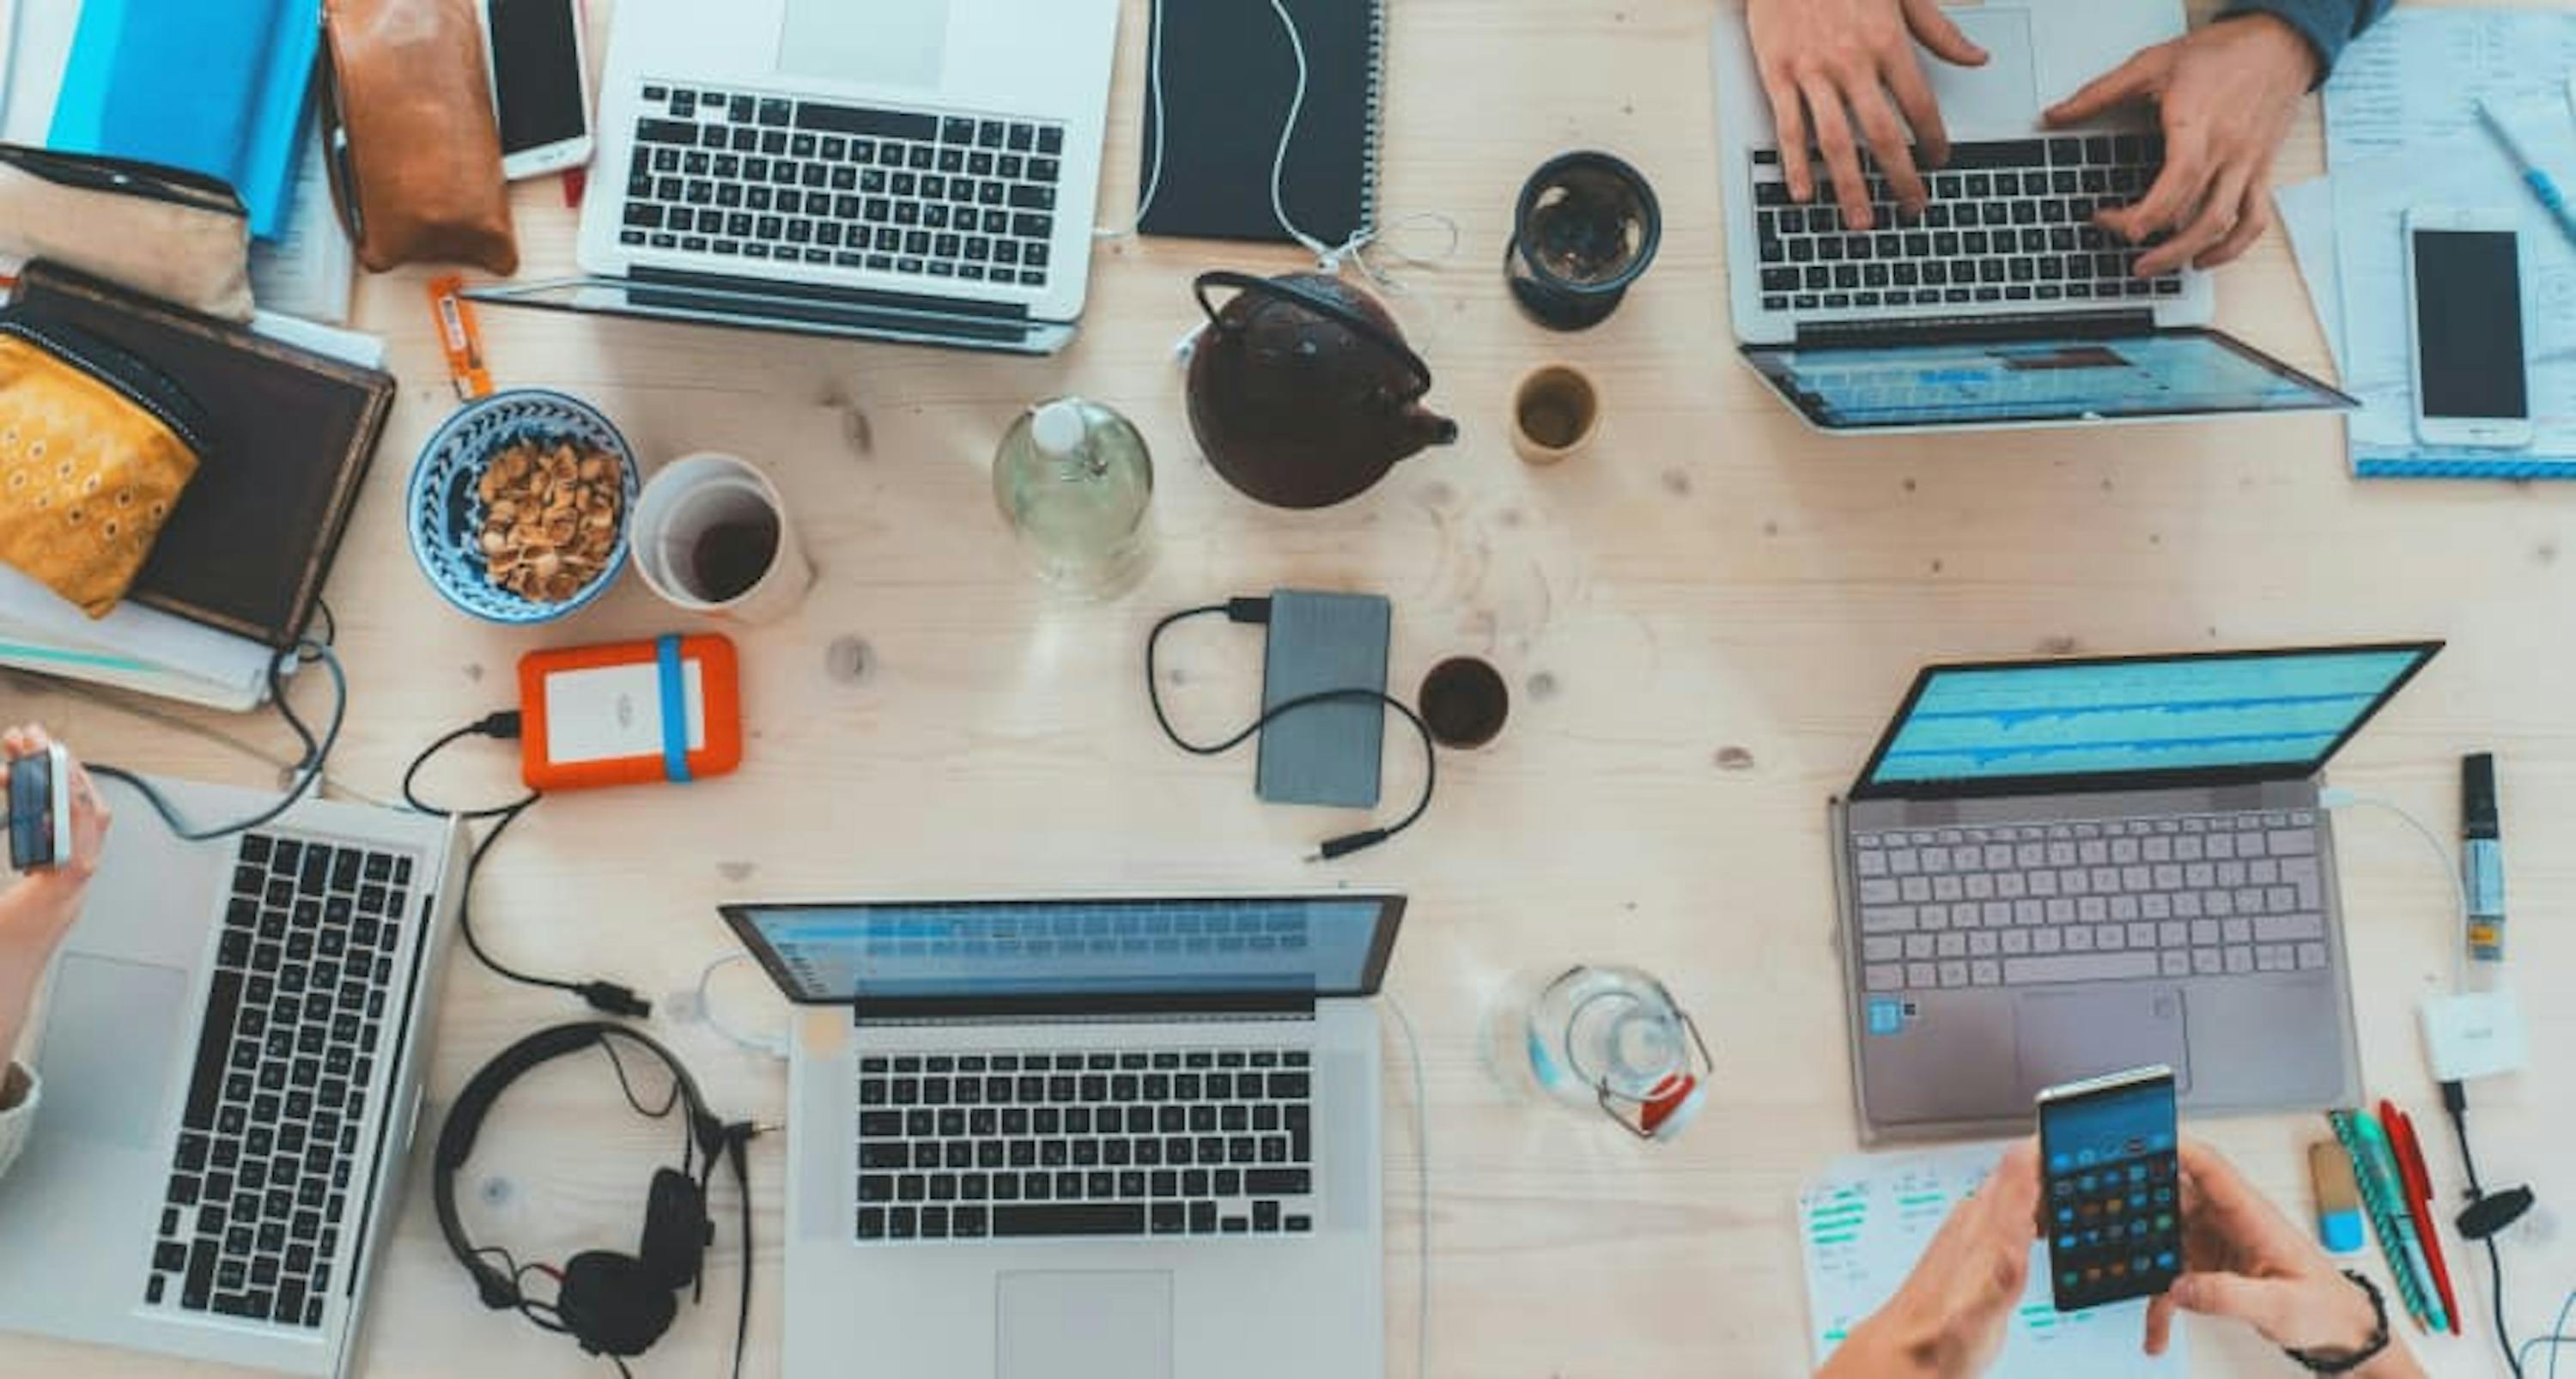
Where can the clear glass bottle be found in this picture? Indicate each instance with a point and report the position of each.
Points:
(1073, 478)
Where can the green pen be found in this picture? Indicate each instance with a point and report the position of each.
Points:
(2384, 1192)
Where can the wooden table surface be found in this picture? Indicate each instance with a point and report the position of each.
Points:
(1704, 623)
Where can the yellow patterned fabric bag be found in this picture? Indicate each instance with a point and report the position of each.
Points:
(95, 448)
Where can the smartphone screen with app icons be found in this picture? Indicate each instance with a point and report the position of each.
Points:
(2110, 1187)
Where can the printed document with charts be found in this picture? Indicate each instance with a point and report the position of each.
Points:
(1863, 1225)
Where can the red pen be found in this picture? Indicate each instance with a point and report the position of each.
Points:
(2419, 1200)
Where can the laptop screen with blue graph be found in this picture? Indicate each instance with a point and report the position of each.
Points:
(1075, 949)
(2049, 723)
(1865, 385)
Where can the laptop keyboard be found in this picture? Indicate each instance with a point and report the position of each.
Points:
(1166, 1143)
(2216, 895)
(268, 1144)
(763, 177)
(2010, 220)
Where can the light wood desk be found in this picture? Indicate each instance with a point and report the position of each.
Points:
(1704, 624)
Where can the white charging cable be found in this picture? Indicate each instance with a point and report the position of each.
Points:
(1328, 257)
(1422, 1190)
(775, 1046)
(2333, 797)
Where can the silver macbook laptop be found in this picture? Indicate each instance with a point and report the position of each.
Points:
(2001, 304)
(923, 171)
(231, 1053)
(2050, 870)
(1083, 1139)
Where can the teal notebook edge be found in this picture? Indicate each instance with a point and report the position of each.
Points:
(219, 87)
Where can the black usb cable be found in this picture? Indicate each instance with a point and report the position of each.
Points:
(606, 997)
(1256, 612)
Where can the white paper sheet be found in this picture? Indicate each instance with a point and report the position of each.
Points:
(2307, 218)
(2415, 79)
(307, 270)
(1863, 1225)
(2370, 204)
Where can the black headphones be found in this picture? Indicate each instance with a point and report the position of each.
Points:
(612, 1304)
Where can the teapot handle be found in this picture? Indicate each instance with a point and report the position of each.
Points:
(1319, 304)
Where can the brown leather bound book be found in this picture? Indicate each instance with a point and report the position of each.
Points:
(291, 434)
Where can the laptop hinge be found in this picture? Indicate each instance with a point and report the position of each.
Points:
(1976, 330)
(1081, 1009)
(774, 290)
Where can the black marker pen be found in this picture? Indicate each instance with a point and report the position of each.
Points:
(2482, 846)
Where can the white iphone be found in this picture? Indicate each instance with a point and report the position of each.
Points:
(540, 84)
(2468, 302)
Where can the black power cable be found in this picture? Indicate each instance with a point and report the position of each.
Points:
(2485, 1216)
(608, 998)
(308, 766)
(1256, 612)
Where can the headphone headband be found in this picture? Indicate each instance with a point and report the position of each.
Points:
(465, 1121)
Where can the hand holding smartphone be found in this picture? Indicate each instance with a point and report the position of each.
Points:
(2467, 301)
(2110, 1187)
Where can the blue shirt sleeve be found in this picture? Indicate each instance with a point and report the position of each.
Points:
(2327, 25)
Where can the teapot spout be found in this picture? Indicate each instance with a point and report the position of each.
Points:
(1424, 427)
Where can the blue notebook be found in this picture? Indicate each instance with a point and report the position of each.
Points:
(213, 86)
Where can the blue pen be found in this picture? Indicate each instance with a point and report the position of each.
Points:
(2542, 187)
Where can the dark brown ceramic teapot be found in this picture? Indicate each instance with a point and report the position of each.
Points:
(1302, 390)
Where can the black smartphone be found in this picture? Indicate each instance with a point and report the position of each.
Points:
(2110, 1181)
(40, 809)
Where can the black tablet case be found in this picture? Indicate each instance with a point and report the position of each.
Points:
(1228, 75)
(292, 432)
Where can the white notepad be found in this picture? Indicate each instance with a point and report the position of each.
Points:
(1863, 1225)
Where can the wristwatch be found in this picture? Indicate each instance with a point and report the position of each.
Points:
(2346, 1361)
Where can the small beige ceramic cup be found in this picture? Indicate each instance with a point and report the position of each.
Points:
(711, 535)
(1555, 411)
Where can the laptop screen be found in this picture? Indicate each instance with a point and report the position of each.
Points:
(1929, 383)
(1120, 952)
(2122, 723)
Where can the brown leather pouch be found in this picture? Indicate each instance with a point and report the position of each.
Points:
(415, 155)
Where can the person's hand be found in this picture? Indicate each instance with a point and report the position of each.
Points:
(2243, 1259)
(1828, 64)
(90, 814)
(1948, 1319)
(2226, 94)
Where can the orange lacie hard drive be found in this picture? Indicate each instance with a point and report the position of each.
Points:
(629, 713)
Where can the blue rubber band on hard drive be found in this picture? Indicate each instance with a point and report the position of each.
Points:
(675, 710)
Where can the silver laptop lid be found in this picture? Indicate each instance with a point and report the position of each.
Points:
(744, 304)
(1141, 956)
(2132, 723)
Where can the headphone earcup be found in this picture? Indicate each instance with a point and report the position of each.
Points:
(613, 1304)
(676, 1230)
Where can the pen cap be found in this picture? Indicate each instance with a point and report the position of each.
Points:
(2339, 1226)
(2478, 818)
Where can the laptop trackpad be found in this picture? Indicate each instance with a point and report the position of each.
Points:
(2003, 95)
(110, 1030)
(2066, 1036)
(1084, 1326)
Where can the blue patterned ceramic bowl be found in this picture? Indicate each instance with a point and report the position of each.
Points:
(445, 513)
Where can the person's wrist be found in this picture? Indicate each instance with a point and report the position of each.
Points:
(43, 904)
(2297, 57)
(1885, 1347)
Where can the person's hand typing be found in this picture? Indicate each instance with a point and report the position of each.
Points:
(1947, 1321)
(2226, 94)
(2243, 1259)
(1829, 65)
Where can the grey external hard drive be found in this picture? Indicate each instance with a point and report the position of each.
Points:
(1327, 753)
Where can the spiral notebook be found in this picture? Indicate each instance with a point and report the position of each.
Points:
(1228, 75)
